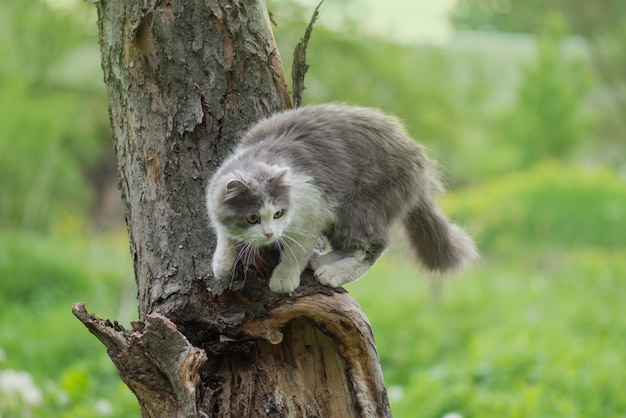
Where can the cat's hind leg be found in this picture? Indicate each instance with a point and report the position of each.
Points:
(337, 268)
(357, 241)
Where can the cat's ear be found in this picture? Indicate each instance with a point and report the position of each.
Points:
(234, 188)
(279, 173)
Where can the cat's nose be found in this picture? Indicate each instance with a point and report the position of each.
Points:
(269, 234)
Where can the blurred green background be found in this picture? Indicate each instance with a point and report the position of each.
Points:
(522, 103)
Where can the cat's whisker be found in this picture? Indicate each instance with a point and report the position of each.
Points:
(300, 231)
(240, 254)
(295, 242)
(289, 241)
(250, 254)
(246, 261)
(288, 247)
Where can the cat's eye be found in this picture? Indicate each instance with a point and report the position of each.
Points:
(253, 218)
(279, 214)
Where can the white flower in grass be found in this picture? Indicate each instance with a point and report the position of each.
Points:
(395, 393)
(104, 407)
(452, 415)
(20, 383)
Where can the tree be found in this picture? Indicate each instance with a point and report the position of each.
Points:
(547, 121)
(184, 80)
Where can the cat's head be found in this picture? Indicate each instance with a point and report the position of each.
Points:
(252, 204)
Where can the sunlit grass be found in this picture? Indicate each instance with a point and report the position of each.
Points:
(42, 276)
(538, 336)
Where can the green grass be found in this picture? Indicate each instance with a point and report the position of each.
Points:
(541, 336)
(538, 329)
(42, 276)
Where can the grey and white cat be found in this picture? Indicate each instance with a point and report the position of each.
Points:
(335, 171)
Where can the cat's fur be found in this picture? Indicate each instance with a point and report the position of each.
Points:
(338, 171)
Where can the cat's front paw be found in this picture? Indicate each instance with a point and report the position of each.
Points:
(329, 275)
(223, 267)
(284, 280)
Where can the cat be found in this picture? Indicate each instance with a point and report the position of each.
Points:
(337, 171)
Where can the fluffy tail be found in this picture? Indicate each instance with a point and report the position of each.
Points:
(438, 244)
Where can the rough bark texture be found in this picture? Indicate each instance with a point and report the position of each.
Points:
(184, 80)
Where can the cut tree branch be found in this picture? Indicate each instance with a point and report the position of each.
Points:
(155, 360)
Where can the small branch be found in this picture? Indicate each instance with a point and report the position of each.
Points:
(299, 66)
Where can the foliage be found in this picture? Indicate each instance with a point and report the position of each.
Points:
(445, 98)
(34, 36)
(550, 205)
(526, 15)
(44, 154)
(547, 121)
(603, 27)
(52, 132)
(49, 365)
(502, 15)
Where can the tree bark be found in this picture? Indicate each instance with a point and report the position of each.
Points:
(185, 79)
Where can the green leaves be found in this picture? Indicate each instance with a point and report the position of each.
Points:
(42, 346)
(45, 148)
(54, 123)
(550, 206)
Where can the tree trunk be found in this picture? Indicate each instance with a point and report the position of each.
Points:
(185, 79)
